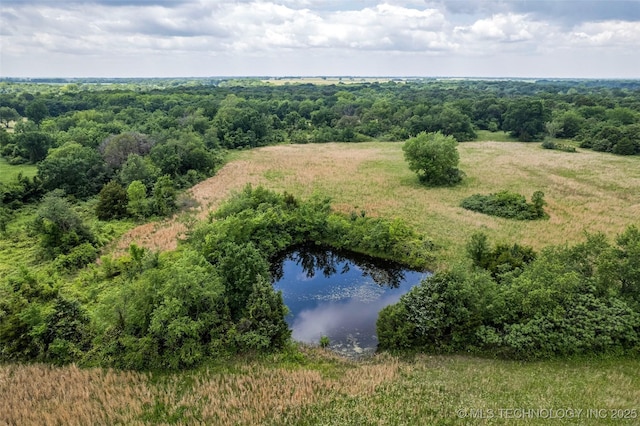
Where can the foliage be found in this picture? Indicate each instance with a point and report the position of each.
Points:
(112, 201)
(526, 119)
(59, 227)
(169, 316)
(324, 342)
(34, 145)
(137, 205)
(508, 205)
(138, 168)
(434, 157)
(549, 143)
(163, 196)
(75, 169)
(502, 259)
(567, 301)
(8, 115)
(262, 326)
(37, 111)
(117, 148)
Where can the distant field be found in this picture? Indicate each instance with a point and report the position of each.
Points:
(280, 81)
(9, 173)
(585, 191)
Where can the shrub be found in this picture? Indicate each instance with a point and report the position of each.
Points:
(508, 205)
(549, 143)
(434, 157)
(568, 301)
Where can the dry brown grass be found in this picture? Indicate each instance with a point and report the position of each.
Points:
(43, 395)
(322, 390)
(587, 191)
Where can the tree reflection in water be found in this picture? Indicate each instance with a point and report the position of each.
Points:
(338, 295)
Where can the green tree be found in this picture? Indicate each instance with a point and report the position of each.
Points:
(35, 144)
(263, 327)
(117, 148)
(451, 121)
(7, 115)
(525, 119)
(434, 157)
(60, 228)
(112, 201)
(76, 169)
(37, 111)
(138, 168)
(138, 205)
(164, 196)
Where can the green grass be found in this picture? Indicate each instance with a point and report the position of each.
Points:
(9, 173)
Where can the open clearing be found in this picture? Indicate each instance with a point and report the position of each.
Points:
(8, 172)
(585, 191)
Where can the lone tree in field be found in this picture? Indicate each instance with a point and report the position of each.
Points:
(434, 157)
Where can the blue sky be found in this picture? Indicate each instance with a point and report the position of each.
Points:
(195, 38)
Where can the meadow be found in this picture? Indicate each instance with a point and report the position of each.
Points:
(9, 173)
(586, 192)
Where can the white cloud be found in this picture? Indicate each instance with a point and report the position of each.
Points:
(612, 34)
(303, 32)
(502, 32)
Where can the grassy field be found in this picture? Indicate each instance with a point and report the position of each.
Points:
(586, 191)
(323, 81)
(321, 389)
(9, 173)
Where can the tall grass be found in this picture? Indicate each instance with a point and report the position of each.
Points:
(587, 191)
(322, 389)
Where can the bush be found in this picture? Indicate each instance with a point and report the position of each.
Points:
(434, 157)
(500, 260)
(549, 143)
(508, 205)
(568, 301)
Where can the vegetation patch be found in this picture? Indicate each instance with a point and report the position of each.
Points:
(211, 298)
(568, 301)
(434, 157)
(508, 205)
(549, 143)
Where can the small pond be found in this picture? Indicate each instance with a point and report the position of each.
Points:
(338, 295)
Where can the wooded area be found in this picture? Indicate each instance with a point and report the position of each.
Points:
(112, 154)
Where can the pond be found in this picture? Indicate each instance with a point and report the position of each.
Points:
(338, 295)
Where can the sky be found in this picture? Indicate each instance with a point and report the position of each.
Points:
(424, 38)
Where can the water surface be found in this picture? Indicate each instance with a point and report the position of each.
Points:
(338, 295)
